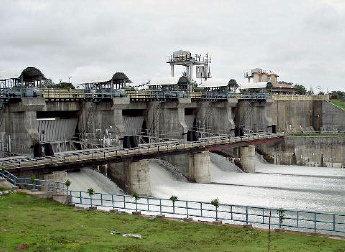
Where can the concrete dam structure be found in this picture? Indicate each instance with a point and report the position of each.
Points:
(65, 123)
(115, 127)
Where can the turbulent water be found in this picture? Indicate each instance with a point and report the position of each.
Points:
(88, 178)
(288, 187)
(275, 186)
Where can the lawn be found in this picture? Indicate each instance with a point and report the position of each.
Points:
(42, 225)
(339, 103)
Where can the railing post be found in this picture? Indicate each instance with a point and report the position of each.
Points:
(148, 204)
(333, 222)
(263, 216)
(187, 209)
(160, 206)
(80, 198)
(112, 200)
(247, 215)
(101, 199)
(124, 201)
(297, 216)
(200, 209)
(315, 222)
(231, 213)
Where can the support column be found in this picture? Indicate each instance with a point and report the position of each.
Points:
(199, 167)
(138, 178)
(247, 154)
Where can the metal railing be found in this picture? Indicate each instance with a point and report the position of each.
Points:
(226, 213)
(88, 155)
(34, 184)
(305, 221)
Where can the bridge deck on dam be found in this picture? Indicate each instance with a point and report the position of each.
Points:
(86, 157)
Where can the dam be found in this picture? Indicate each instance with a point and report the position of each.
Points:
(260, 147)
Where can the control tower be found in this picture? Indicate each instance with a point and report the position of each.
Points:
(185, 58)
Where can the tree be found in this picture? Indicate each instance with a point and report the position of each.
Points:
(215, 203)
(173, 199)
(67, 184)
(91, 192)
(269, 86)
(300, 89)
(33, 182)
(136, 197)
(339, 95)
(281, 215)
(232, 84)
(311, 91)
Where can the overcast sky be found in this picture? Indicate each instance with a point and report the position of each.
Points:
(302, 40)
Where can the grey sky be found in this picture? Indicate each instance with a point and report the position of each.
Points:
(304, 41)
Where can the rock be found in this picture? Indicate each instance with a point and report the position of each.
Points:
(137, 236)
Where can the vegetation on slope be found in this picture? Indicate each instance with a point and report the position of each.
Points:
(339, 103)
(42, 225)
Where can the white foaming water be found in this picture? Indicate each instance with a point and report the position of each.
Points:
(265, 190)
(87, 178)
(331, 185)
(222, 163)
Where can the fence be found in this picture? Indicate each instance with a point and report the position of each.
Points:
(204, 211)
(35, 184)
(257, 216)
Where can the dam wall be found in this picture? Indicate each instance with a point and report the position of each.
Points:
(333, 117)
(253, 115)
(105, 122)
(319, 150)
(295, 114)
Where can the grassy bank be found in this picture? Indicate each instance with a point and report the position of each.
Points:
(42, 225)
(339, 103)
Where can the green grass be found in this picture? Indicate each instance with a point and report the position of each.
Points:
(45, 225)
(339, 103)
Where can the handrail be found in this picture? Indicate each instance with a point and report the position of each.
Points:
(100, 153)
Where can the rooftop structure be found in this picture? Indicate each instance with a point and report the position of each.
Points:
(118, 81)
(185, 58)
(259, 75)
(260, 79)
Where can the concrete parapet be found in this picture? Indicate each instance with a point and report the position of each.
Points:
(247, 154)
(281, 97)
(27, 104)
